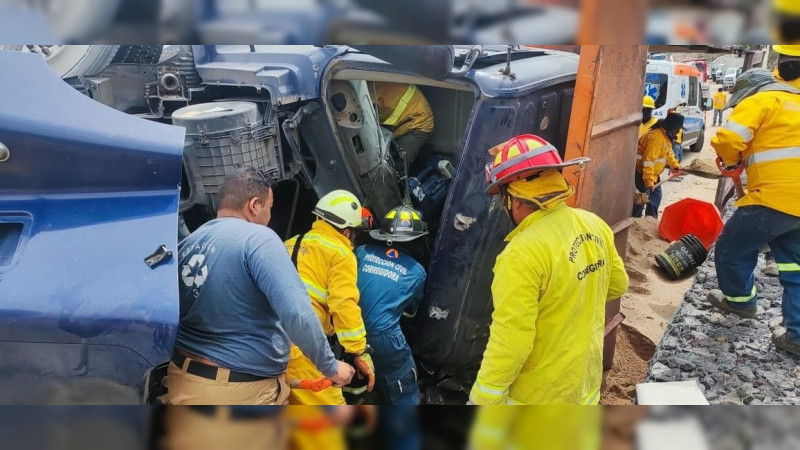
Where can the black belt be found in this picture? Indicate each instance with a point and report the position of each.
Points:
(210, 372)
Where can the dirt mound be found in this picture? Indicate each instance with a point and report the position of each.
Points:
(707, 166)
(631, 360)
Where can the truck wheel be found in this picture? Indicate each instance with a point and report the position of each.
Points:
(697, 146)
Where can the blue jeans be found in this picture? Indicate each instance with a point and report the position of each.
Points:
(395, 369)
(737, 255)
(678, 150)
(717, 117)
(650, 209)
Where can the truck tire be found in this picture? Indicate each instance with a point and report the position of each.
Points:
(80, 60)
(698, 146)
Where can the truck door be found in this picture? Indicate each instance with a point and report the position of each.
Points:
(87, 193)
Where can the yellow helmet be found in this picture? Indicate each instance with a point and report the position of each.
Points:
(648, 102)
(340, 208)
(788, 50)
(789, 7)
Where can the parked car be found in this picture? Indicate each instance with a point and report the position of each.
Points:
(669, 82)
(730, 76)
(91, 198)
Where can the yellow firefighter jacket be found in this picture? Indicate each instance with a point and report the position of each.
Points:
(720, 99)
(327, 265)
(551, 284)
(763, 132)
(645, 127)
(654, 153)
(403, 108)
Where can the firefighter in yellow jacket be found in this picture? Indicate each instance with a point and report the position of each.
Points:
(762, 136)
(404, 109)
(550, 288)
(786, 24)
(648, 105)
(654, 153)
(327, 266)
(788, 61)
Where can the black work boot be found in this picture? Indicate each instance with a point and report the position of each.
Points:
(781, 341)
(717, 299)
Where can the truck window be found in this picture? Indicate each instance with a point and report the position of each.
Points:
(655, 85)
(693, 94)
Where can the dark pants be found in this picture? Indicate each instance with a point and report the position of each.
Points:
(717, 117)
(737, 255)
(649, 209)
(395, 370)
(412, 143)
(677, 149)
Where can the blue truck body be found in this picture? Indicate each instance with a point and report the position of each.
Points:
(89, 192)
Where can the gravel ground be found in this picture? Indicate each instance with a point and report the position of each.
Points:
(732, 358)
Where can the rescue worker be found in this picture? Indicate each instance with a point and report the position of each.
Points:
(761, 136)
(788, 67)
(787, 26)
(677, 143)
(654, 153)
(648, 105)
(241, 304)
(403, 109)
(327, 266)
(720, 99)
(391, 283)
(551, 285)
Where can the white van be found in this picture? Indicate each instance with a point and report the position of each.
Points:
(668, 82)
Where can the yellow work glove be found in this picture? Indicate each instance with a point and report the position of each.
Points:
(365, 368)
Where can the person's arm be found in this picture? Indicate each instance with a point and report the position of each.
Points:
(672, 161)
(619, 276)
(732, 140)
(343, 299)
(515, 293)
(416, 297)
(272, 270)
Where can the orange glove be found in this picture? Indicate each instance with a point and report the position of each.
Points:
(365, 367)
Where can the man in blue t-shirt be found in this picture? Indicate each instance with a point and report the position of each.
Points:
(391, 284)
(242, 304)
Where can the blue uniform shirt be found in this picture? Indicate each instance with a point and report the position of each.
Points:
(242, 302)
(390, 282)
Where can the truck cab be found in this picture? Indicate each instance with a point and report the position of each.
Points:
(95, 304)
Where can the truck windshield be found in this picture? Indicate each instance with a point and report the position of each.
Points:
(655, 86)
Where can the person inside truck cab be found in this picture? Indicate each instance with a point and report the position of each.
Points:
(391, 281)
(241, 306)
(403, 109)
(327, 265)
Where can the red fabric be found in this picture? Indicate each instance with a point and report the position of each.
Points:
(691, 216)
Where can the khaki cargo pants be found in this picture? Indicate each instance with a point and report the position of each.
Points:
(187, 429)
(187, 389)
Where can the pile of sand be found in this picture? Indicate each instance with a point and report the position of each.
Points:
(631, 360)
(706, 166)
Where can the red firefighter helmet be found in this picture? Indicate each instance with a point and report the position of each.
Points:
(521, 157)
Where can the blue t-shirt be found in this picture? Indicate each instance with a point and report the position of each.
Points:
(242, 302)
(391, 282)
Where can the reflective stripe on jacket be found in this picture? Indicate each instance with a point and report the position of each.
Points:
(327, 266)
(549, 292)
(402, 107)
(764, 132)
(654, 153)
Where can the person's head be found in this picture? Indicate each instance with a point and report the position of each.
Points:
(672, 123)
(789, 67)
(786, 21)
(526, 172)
(749, 83)
(404, 228)
(247, 195)
(720, 90)
(648, 105)
(342, 210)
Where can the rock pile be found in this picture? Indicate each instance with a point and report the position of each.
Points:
(732, 358)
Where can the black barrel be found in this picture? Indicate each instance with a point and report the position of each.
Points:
(680, 258)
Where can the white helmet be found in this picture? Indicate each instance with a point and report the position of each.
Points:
(339, 208)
